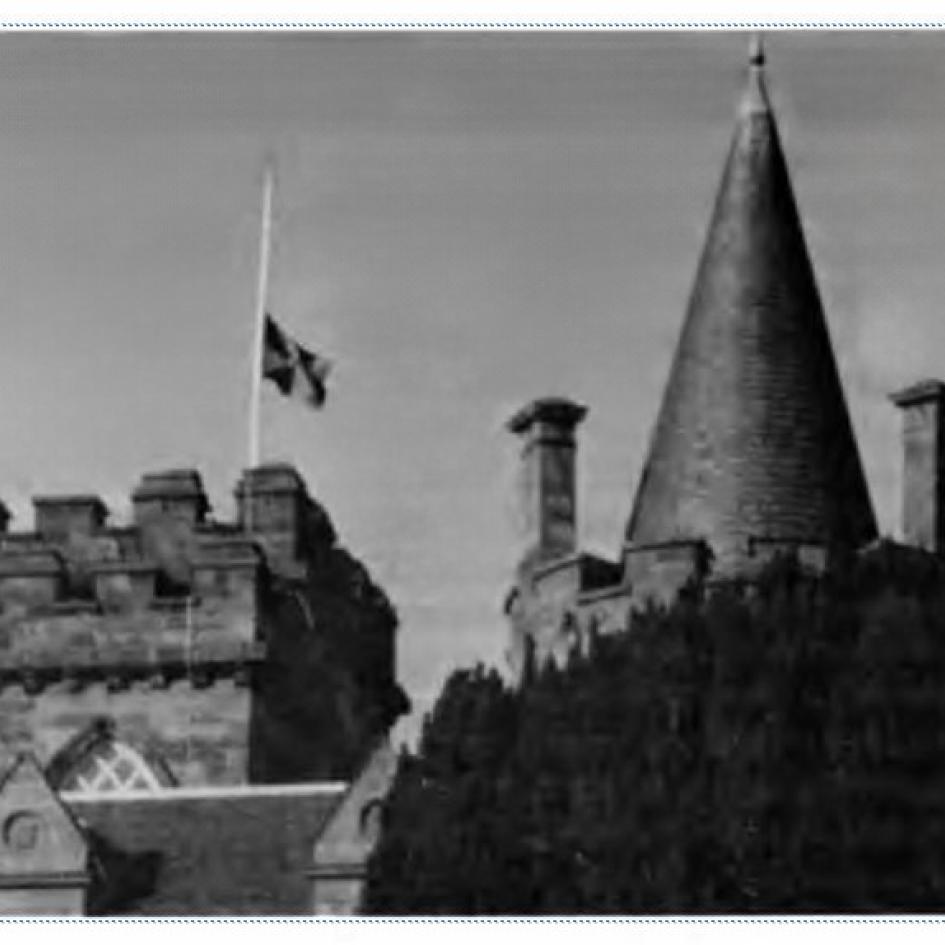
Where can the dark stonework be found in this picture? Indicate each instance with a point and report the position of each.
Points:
(232, 656)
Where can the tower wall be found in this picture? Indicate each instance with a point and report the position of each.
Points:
(228, 656)
(199, 731)
(657, 572)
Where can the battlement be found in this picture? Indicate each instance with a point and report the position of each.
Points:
(72, 551)
(80, 598)
(61, 516)
(177, 492)
(274, 506)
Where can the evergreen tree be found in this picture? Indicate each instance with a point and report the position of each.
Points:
(775, 748)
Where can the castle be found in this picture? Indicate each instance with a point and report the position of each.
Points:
(184, 701)
(753, 452)
(193, 713)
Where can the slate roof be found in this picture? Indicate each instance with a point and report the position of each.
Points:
(350, 837)
(180, 853)
(753, 439)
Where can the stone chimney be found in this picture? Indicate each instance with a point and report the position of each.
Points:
(548, 499)
(923, 482)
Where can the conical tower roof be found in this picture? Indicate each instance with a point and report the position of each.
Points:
(753, 439)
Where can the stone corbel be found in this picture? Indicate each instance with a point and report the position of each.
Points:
(33, 683)
(116, 682)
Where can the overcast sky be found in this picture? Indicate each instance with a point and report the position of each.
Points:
(463, 222)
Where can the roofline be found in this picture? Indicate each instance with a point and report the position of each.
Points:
(544, 568)
(46, 879)
(629, 546)
(187, 792)
(604, 593)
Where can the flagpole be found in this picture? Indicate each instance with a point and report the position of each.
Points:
(262, 299)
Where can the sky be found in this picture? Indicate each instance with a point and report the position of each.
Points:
(463, 222)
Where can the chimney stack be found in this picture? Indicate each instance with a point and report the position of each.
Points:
(923, 490)
(547, 427)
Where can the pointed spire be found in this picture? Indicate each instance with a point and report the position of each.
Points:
(753, 439)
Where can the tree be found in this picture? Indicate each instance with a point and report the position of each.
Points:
(774, 748)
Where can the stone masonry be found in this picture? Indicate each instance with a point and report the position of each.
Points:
(224, 653)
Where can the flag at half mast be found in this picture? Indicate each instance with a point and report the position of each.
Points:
(295, 370)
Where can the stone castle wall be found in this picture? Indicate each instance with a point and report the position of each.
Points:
(257, 650)
(201, 734)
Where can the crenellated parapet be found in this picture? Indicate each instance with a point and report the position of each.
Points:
(273, 504)
(282, 638)
(172, 550)
(175, 492)
(83, 602)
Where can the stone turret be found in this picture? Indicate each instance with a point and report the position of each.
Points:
(752, 452)
(753, 449)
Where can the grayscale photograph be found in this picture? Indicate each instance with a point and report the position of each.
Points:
(472, 473)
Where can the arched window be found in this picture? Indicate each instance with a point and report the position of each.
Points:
(371, 819)
(112, 766)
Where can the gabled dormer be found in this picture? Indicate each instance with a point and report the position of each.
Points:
(43, 851)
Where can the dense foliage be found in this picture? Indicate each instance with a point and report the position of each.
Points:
(774, 751)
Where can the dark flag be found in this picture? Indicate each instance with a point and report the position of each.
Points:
(295, 370)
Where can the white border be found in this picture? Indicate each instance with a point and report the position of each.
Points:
(200, 14)
(362, 14)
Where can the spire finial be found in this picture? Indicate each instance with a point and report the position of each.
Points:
(755, 98)
(756, 51)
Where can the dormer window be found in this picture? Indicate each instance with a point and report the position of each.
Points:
(94, 761)
(113, 766)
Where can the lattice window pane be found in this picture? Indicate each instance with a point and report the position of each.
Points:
(112, 767)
